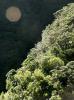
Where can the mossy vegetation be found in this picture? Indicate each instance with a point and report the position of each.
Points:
(49, 67)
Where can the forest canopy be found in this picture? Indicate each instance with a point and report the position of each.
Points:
(48, 71)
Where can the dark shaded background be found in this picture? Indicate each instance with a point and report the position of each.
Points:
(17, 38)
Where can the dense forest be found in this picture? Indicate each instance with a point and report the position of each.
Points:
(48, 71)
(17, 38)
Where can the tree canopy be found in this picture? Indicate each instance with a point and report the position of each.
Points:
(48, 70)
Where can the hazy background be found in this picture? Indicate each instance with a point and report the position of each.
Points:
(17, 38)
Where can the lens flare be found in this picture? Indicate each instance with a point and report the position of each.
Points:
(13, 14)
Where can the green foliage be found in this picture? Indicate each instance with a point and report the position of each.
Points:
(49, 67)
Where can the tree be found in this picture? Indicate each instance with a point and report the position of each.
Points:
(49, 68)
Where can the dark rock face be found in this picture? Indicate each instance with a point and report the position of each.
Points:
(17, 38)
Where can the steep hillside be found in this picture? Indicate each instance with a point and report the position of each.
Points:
(48, 71)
